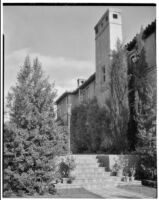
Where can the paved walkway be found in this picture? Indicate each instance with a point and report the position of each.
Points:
(114, 192)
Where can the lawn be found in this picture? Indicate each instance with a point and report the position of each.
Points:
(76, 193)
(65, 193)
(146, 191)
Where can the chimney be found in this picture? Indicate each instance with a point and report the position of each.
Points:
(80, 82)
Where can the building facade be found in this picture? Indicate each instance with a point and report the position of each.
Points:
(107, 31)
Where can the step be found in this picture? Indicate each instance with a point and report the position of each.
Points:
(87, 185)
(87, 171)
(86, 162)
(98, 178)
(135, 182)
(66, 186)
(88, 165)
(95, 181)
(86, 175)
(97, 175)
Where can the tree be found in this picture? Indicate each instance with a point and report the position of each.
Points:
(90, 129)
(79, 129)
(117, 104)
(31, 139)
(145, 105)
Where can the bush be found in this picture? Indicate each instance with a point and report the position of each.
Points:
(64, 170)
(70, 180)
(52, 189)
(65, 167)
(149, 183)
(90, 129)
(103, 161)
(147, 167)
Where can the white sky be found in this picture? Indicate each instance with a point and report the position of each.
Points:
(62, 37)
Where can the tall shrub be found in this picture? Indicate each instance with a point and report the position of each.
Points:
(117, 104)
(145, 104)
(89, 128)
(78, 129)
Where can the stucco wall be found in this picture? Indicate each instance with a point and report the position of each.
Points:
(88, 92)
(150, 48)
(105, 42)
(150, 51)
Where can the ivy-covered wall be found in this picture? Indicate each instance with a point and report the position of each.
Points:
(90, 129)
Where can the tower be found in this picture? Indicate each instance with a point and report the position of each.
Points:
(107, 31)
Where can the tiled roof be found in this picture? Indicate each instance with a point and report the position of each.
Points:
(151, 28)
(89, 80)
(63, 96)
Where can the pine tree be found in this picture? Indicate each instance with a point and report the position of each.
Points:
(32, 138)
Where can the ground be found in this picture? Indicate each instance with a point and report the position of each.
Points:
(108, 192)
(147, 191)
(125, 191)
(76, 193)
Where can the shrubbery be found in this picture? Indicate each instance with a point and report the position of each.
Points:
(91, 131)
(103, 161)
(66, 166)
(149, 183)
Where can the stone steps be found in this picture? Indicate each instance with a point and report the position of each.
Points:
(89, 171)
(82, 165)
(92, 175)
(94, 181)
(89, 174)
(89, 185)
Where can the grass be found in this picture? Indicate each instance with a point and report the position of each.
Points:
(146, 191)
(65, 193)
(76, 193)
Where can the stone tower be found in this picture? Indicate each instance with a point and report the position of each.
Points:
(107, 31)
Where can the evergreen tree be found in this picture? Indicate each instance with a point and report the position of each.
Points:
(31, 139)
(145, 104)
(117, 104)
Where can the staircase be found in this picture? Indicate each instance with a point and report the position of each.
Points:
(89, 175)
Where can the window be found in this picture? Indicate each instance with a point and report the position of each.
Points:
(106, 18)
(115, 16)
(103, 74)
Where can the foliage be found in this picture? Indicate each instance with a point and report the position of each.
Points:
(78, 129)
(66, 166)
(103, 161)
(149, 183)
(116, 167)
(117, 103)
(52, 189)
(31, 138)
(89, 125)
(127, 164)
(142, 103)
(145, 117)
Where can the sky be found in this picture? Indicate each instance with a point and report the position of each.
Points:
(63, 39)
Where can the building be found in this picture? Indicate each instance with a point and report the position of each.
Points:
(107, 31)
